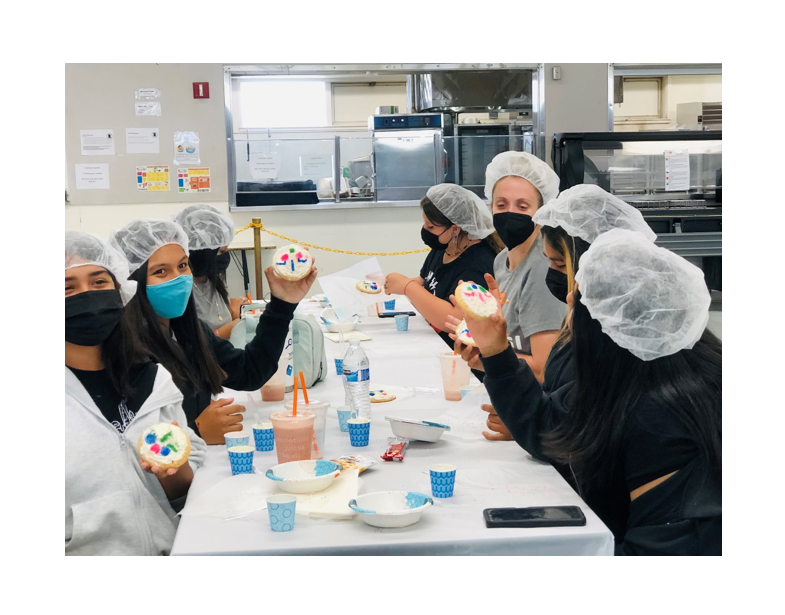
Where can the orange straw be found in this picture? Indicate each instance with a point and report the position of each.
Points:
(251, 301)
(305, 392)
(294, 401)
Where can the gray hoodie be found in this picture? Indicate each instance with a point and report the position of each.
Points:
(112, 506)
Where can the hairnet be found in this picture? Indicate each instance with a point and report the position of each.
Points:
(139, 239)
(86, 249)
(206, 227)
(587, 211)
(646, 298)
(525, 165)
(463, 208)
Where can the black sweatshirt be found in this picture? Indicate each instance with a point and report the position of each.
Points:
(247, 369)
(681, 516)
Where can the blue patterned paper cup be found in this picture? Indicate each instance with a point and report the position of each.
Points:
(402, 322)
(343, 418)
(359, 431)
(280, 508)
(339, 367)
(241, 459)
(442, 480)
(264, 436)
(389, 305)
(237, 438)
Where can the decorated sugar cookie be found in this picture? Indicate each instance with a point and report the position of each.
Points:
(164, 445)
(292, 262)
(475, 300)
(379, 397)
(464, 335)
(366, 286)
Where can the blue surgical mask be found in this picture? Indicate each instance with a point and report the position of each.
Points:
(169, 299)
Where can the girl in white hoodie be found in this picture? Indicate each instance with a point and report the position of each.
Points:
(115, 504)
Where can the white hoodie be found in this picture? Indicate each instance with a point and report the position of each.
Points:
(112, 506)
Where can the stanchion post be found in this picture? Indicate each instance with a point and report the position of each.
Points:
(257, 258)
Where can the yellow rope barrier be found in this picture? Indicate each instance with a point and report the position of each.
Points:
(310, 245)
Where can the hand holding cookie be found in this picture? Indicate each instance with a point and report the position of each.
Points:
(488, 328)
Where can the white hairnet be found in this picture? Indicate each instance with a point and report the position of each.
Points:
(463, 208)
(86, 249)
(525, 165)
(139, 239)
(207, 228)
(587, 211)
(646, 298)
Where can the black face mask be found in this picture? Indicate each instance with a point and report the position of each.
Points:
(556, 281)
(90, 317)
(222, 262)
(431, 240)
(513, 229)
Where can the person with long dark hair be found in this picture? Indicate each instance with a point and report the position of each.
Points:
(569, 224)
(640, 428)
(115, 503)
(459, 230)
(163, 316)
(209, 234)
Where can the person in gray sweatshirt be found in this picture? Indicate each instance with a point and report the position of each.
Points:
(115, 503)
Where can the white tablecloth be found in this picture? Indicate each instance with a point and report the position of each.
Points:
(490, 474)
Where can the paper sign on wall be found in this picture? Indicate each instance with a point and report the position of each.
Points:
(92, 176)
(141, 141)
(151, 179)
(677, 170)
(186, 147)
(265, 166)
(193, 180)
(97, 142)
(147, 108)
(316, 166)
(147, 93)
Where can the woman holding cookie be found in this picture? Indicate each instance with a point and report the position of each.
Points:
(163, 316)
(459, 230)
(116, 503)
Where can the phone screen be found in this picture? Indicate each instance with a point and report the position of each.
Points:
(552, 513)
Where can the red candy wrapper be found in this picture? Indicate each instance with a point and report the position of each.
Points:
(396, 447)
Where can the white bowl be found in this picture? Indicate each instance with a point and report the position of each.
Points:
(307, 476)
(390, 508)
(416, 430)
(337, 326)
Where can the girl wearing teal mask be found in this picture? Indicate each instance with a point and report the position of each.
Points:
(163, 315)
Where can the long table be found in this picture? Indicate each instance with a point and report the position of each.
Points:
(490, 474)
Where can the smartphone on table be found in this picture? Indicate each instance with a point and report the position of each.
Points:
(534, 516)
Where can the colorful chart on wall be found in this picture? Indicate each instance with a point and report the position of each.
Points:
(193, 179)
(152, 178)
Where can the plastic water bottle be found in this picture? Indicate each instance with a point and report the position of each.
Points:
(356, 370)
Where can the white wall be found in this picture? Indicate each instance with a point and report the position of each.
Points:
(578, 102)
(101, 96)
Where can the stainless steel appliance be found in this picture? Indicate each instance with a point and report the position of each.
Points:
(476, 145)
(408, 156)
(632, 166)
(699, 116)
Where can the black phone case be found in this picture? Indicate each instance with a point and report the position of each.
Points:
(491, 523)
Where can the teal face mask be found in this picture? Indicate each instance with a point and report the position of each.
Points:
(169, 299)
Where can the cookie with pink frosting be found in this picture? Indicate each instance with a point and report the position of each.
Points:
(475, 300)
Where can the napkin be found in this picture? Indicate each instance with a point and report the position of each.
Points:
(333, 502)
(340, 287)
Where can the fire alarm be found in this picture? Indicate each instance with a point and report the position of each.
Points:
(201, 89)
